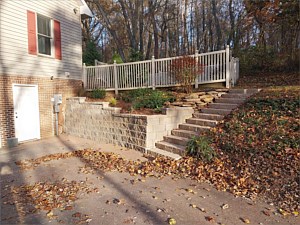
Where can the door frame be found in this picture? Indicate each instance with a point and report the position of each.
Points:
(36, 89)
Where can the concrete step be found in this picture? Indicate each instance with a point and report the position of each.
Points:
(223, 112)
(239, 96)
(159, 152)
(208, 116)
(222, 106)
(202, 122)
(193, 127)
(244, 91)
(166, 146)
(230, 100)
(176, 140)
(184, 133)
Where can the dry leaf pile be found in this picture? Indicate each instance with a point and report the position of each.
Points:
(46, 196)
(224, 174)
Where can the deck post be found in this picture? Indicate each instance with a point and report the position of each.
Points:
(153, 72)
(197, 69)
(84, 76)
(116, 77)
(227, 67)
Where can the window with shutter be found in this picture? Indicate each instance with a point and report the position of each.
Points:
(44, 35)
(31, 27)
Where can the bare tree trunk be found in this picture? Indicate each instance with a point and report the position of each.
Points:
(111, 30)
(129, 24)
(141, 28)
(231, 16)
(217, 24)
(149, 46)
(204, 27)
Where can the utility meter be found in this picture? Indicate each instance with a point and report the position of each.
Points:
(56, 101)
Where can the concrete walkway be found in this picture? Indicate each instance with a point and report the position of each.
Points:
(61, 144)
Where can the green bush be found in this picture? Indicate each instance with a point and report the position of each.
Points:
(199, 147)
(131, 96)
(113, 102)
(90, 53)
(98, 93)
(116, 57)
(147, 98)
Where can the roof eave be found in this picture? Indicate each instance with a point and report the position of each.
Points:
(85, 11)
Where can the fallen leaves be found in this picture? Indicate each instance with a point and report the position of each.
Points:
(171, 221)
(119, 201)
(245, 220)
(46, 196)
(209, 219)
(225, 206)
(238, 179)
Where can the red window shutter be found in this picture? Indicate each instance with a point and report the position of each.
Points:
(31, 27)
(57, 39)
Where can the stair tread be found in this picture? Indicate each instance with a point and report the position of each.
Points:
(221, 103)
(228, 110)
(186, 131)
(177, 137)
(230, 100)
(245, 90)
(205, 114)
(164, 153)
(208, 114)
(194, 125)
(181, 147)
(200, 119)
(236, 96)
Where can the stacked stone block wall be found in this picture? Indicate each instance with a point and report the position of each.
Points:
(97, 121)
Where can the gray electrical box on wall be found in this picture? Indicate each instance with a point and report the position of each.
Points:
(58, 99)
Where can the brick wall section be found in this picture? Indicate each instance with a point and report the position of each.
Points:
(46, 88)
(97, 121)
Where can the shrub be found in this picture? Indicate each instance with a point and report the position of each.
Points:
(147, 98)
(132, 95)
(90, 53)
(116, 57)
(185, 70)
(98, 93)
(113, 102)
(199, 147)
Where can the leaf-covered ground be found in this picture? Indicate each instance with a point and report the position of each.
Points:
(263, 80)
(262, 139)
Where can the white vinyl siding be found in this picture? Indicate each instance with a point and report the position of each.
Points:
(14, 56)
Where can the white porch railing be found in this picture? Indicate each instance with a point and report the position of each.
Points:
(218, 66)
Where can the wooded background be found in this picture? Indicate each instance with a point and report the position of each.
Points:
(263, 34)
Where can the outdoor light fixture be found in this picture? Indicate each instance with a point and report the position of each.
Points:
(75, 10)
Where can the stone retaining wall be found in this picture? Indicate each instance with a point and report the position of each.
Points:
(97, 121)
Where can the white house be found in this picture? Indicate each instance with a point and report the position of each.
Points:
(40, 55)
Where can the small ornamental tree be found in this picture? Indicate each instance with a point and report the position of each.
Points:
(186, 69)
(90, 54)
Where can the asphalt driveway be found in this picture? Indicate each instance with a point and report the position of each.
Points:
(68, 191)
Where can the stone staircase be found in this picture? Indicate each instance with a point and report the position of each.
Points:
(173, 146)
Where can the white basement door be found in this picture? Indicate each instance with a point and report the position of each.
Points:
(26, 112)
